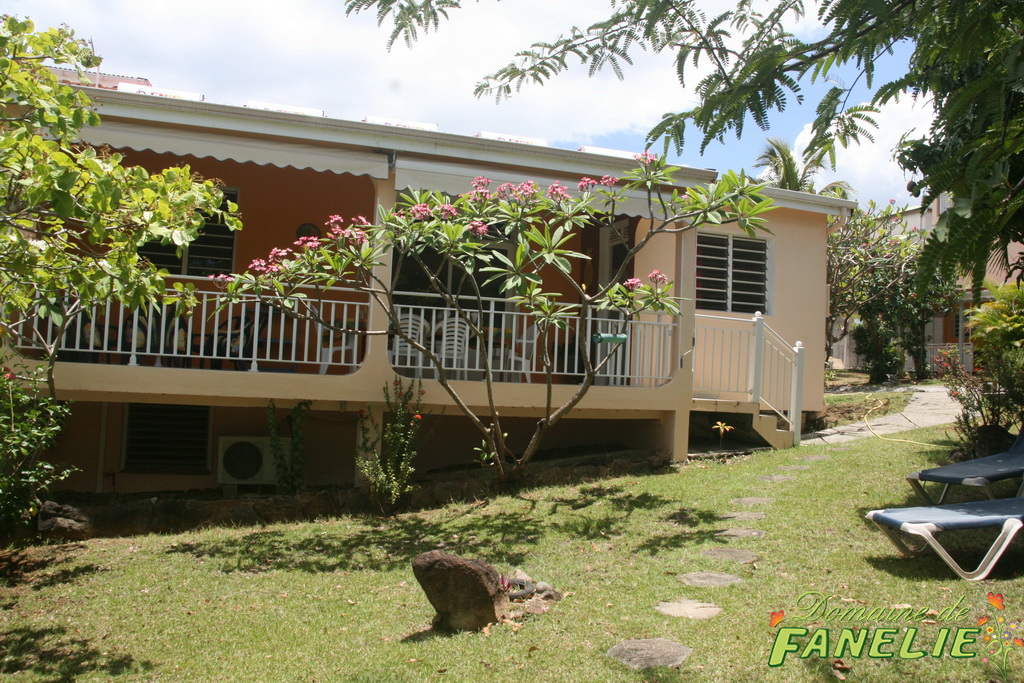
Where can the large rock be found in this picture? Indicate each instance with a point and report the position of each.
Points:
(64, 523)
(465, 593)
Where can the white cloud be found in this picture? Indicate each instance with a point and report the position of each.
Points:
(308, 53)
(869, 167)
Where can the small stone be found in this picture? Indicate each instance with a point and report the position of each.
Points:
(754, 500)
(691, 609)
(709, 579)
(735, 554)
(818, 458)
(775, 478)
(741, 533)
(521, 575)
(794, 468)
(543, 586)
(743, 516)
(649, 653)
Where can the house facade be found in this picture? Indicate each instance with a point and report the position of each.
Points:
(161, 400)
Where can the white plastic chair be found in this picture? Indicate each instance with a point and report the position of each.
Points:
(402, 353)
(521, 360)
(338, 342)
(453, 348)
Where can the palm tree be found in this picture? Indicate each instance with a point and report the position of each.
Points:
(785, 171)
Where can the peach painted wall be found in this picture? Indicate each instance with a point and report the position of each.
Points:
(797, 289)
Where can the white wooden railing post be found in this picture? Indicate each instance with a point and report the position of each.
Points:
(134, 317)
(757, 358)
(796, 394)
(254, 329)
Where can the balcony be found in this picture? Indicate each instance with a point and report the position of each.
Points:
(253, 337)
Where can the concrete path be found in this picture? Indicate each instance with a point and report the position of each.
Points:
(929, 406)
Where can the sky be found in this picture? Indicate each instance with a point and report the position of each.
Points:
(308, 53)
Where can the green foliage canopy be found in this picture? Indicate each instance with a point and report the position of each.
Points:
(73, 217)
(744, 64)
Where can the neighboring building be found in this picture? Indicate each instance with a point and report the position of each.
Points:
(946, 332)
(160, 399)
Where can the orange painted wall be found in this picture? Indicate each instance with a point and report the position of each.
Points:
(274, 201)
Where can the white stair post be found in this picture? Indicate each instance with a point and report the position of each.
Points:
(796, 394)
(757, 358)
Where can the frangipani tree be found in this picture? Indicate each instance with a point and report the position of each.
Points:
(869, 255)
(519, 236)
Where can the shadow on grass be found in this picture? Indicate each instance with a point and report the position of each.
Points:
(52, 654)
(685, 517)
(501, 538)
(427, 634)
(656, 544)
(41, 567)
(929, 567)
(691, 517)
(615, 495)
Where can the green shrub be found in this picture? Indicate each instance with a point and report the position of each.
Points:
(992, 396)
(878, 343)
(291, 465)
(386, 452)
(31, 423)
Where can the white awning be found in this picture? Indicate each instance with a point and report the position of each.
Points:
(262, 151)
(455, 179)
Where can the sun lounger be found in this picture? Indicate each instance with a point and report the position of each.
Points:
(1007, 514)
(977, 472)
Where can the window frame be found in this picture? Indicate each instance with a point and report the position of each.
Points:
(732, 301)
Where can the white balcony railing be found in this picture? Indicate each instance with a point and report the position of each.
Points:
(745, 359)
(248, 335)
(638, 351)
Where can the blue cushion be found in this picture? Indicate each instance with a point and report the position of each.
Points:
(971, 515)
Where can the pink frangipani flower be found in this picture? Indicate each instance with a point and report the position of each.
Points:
(657, 277)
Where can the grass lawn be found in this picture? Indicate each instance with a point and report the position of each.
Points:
(337, 601)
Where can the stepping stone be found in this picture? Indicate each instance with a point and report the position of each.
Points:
(709, 579)
(691, 609)
(741, 533)
(743, 516)
(649, 653)
(794, 468)
(753, 501)
(816, 458)
(735, 554)
(775, 478)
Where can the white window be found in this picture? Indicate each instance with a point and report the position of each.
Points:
(732, 273)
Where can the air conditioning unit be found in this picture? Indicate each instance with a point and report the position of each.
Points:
(246, 460)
